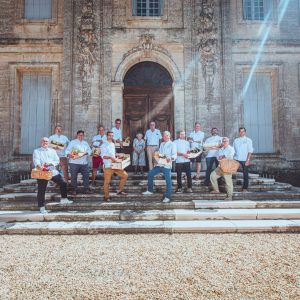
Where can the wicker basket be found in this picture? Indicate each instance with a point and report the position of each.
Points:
(229, 166)
(39, 174)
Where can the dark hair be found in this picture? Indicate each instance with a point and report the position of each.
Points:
(214, 128)
(57, 126)
(242, 128)
(117, 120)
(109, 132)
(99, 126)
(80, 131)
(197, 123)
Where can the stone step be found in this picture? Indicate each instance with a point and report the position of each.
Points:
(154, 205)
(141, 188)
(31, 197)
(169, 226)
(151, 215)
(89, 205)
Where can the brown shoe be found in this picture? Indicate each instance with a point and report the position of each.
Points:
(244, 191)
(215, 192)
(107, 199)
(228, 198)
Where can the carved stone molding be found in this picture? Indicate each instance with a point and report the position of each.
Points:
(147, 45)
(86, 47)
(208, 41)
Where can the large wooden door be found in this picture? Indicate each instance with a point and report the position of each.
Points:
(142, 105)
(148, 96)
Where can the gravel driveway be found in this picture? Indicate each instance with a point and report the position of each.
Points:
(188, 266)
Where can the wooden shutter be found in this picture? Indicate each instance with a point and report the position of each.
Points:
(258, 118)
(36, 108)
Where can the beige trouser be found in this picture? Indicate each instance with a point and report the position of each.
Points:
(150, 152)
(215, 175)
(107, 177)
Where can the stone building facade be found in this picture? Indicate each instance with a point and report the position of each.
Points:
(225, 63)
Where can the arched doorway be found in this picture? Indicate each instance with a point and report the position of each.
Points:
(148, 95)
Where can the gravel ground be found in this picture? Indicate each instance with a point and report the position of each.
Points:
(190, 266)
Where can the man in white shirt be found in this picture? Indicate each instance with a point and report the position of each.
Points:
(118, 137)
(152, 138)
(226, 152)
(78, 151)
(46, 159)
(196, 138)
(211, 157)
(168, 149)
(243, 148)
(56, 138)
(183, 162)
(108, 154)
(97, 141)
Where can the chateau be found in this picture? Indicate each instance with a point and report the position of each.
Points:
(224, 63)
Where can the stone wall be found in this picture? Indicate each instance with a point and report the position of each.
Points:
(205, 45)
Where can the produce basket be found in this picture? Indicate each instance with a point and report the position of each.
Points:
(121, 163)
(229, 166)
(40, 174)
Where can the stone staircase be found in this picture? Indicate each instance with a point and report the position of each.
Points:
(269, 206)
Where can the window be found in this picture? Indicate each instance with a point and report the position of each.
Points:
(257, 10)
(258, 113)
(147, 8)
(36, 110)
(37, 9)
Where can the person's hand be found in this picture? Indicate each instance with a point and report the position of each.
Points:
(168, 160)
(185, 155)
(247, 163)
(120, 155)
(113, 159)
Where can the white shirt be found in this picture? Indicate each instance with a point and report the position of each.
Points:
(198, 138)
(97, 139)
(46, 155)
(228, 152)
(61, 139)
(182, 146)
(152, 137)
(213, 139)
(117, 133)
(169, 150)
(82, 146)
(108, 149)
(242, 146)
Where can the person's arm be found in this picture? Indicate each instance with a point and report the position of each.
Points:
(173, 152)
(88, 149)
(250, 151)
(36, 159)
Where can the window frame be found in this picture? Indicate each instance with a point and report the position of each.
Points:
(240, 13)
(20, 14)
(160, 8)
(146, 19)
(16, 71)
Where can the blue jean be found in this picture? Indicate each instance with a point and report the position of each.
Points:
(167, 174)
(84, 170)
(245, 174)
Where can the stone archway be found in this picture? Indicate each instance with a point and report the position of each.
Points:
(161, 57)
(147, 95)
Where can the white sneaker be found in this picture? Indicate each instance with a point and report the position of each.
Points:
(65, 201)
(43, 210)
(166, 200)
(147, 193)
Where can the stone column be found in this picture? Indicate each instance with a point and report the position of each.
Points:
(179, 106)
(117, 100)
